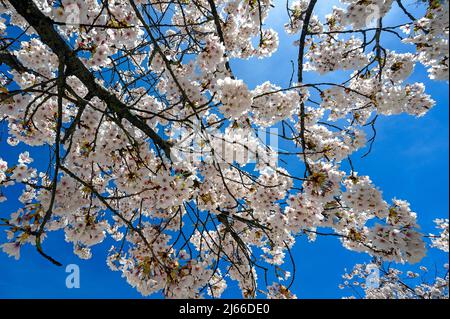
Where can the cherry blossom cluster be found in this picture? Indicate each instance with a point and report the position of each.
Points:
(367, 96)
(322, 141)
(376, 281)
(360, 14)
(242, 23)
(74, 16)
(330, 55)
(430, 36)
(156, 141)
(213, 54)
(278, 291)
(235, 97)
(441, 241)
(297, 12)
(271, 105)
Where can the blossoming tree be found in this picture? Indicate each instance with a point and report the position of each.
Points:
(156, 143)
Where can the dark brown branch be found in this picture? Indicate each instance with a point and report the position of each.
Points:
(45, 28)
(301, 53)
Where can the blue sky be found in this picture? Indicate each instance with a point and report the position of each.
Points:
(409, 161)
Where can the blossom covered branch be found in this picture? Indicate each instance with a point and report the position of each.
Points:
(156, 142)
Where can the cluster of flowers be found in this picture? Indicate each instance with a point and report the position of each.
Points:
(331, 54)
(121, 27)
(159, 269)
(441, 241)
(278, 291)
(323, 204)
(366, 95)
(297, 12)
(376, 281)
(242, 23)
(430, 36)
(271, 105)
(360, 14)
(235, 145)
(37, 56)
(393, 283)
(21, 172)
(409, 99)
(235, 97)
(239, 23)
(212, 55)
(115, 180)
(363, 197)
(321, 142)
(399, 66)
